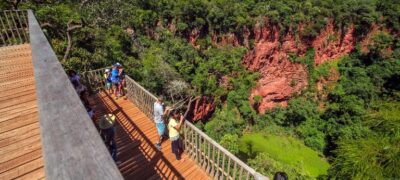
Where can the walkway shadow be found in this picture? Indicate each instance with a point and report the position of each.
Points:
(139, 157)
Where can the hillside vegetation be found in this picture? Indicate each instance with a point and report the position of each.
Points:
(345, 123)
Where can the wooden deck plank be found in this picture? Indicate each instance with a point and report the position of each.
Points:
(18, 108)
(18, 122)
(15, 83)
(21, 137)
(23, 169)
(18, 132)
(19, 148)
(15, 93)
(20, 141)
(20, 160)
(14, 101)
(37, 173)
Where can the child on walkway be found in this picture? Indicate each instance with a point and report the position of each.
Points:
(107, 77)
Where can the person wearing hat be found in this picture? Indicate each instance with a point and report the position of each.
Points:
(107, 131)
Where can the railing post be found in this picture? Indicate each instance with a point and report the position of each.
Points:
(16, 26)
(9, 25)
(5, 30)
(22, 26)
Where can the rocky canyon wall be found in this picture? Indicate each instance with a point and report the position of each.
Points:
(281, 78)
(201, 109)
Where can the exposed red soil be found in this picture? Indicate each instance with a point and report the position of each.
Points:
(202, 109)
(281, 78)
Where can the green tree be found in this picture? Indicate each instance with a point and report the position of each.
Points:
(225, 121)
(230, 142)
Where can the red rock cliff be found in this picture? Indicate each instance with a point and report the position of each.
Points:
(330, 44)
(202, 109)
(280, 78)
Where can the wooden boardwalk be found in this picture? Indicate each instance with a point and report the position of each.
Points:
(136, 135)
(20, 142)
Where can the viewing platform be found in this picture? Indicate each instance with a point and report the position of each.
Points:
(136, 135)
(46, 133)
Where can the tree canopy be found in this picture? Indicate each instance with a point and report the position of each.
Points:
(355, 127)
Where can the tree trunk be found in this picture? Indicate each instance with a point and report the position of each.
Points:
(69, 38)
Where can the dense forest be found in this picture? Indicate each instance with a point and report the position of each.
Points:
(342, 117)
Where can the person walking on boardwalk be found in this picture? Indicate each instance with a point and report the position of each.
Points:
(107, 132)
(73, 76)
(115, 79)
(82, 91)
(173, 131)
(107, 79)
(159, 115)
(122, 83)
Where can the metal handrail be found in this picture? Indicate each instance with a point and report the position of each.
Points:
(214, 159)
(93, 78)
(13, 27)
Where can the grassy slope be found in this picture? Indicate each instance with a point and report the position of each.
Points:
(288, 150)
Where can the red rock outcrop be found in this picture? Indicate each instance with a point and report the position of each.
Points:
(246, 36)
(225, 39)
(202, 109)
(326, 84)
(281, 78)
(172, 28)
(193, 37)
(331, 44)
(369, 38)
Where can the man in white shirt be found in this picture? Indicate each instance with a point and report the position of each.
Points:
(159, 114)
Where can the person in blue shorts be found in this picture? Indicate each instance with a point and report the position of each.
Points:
(115, 80)
(159, 115)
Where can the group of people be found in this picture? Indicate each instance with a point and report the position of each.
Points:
(105, 123)
(114, 80)
(174, 120)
